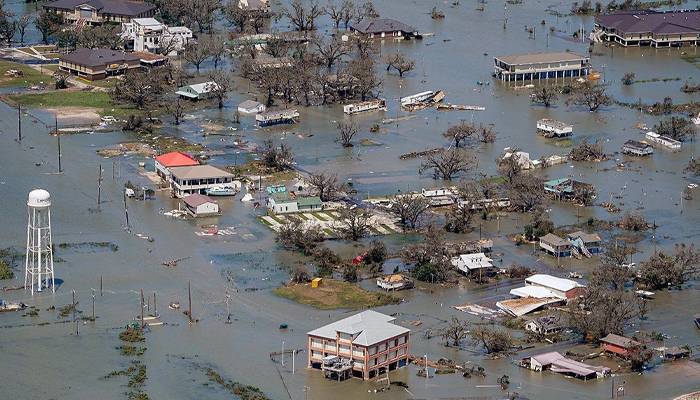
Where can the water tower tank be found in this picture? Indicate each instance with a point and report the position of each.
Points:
(39, 198)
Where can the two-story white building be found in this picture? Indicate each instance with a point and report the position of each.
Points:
(364, 345)
(149, 34)
(189, 180)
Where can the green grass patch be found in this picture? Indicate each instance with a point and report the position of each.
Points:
(302, 216)
(328, 232)
(265, 222)
(333, 294)
(57, 99)
(277, 219)
(29, 77)
(388, 228)
(320, 216)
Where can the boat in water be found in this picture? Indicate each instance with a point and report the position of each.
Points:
(697, 320)
(222, 190)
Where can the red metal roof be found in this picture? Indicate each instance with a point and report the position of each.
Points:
(176, 159)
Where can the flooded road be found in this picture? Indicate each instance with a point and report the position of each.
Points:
(50, 361)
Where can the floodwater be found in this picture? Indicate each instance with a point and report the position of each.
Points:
(51, 361)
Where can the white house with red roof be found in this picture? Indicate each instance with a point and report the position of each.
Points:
(166, 161)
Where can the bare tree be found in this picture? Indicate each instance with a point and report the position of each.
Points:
(303, 18)
(430, 258)
(334, 12)
(455, 332)
(459, 219)
(366, 11)
(347, 11)
(400, 63)
(461, 133)
(196, 55)
(325, 185)
(585, 151)
(364, 76)
(331, 50)
(299, 237)
(346, 131)
(446, 164)
(603, 310)
(676, 128)
(409, 209)
(628, 78)
(236, 17)
(663, 271)
(279, 157)
(175, 107)
(590, 95)
(141, 89)
(22, 25)
(693, 167)
(525, 192)
(493, 340)
(300, 274)
(544, 95)
(486, 134)
(219, 86)
(354, 223)
(48, 23)
(217, 49)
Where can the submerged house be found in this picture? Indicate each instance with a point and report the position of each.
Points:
(546, 325)
(364, 345)
(384, 28)
(556, 246)
(394, 282)
(636, 148)
(556, 362)
(528, 67)
(566, 188)
(471, 263)
(551, 128)
(673, 28)
(284, 203)
(586, 243)
(619, 345)
(665, 141)
(198, 91)
(199, 205)
(269, 118)
(365, 106)
(251, 107)
(540, 290)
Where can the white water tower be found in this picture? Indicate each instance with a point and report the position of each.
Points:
(38, 266)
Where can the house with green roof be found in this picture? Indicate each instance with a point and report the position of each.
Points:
(285, 203)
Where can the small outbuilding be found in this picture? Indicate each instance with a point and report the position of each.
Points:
(546, 325)
(251, 107)
(199, 205)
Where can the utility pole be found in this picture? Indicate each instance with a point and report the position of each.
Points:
(99, 187)
(100, 285)
(73, 304)
(228, 311)
(155, 308)
(19, 122)
(126, 210)
(58, 141)
(142, 324)
(189, 296)
(93, 305)
(294, 353)
(283, 354)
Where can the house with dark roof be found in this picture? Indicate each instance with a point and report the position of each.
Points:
(96, 64)
(637, 148)
(384, 28)
(619, 345)
(97, 12)
(650, 28)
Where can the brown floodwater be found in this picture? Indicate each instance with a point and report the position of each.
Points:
(51, 361)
